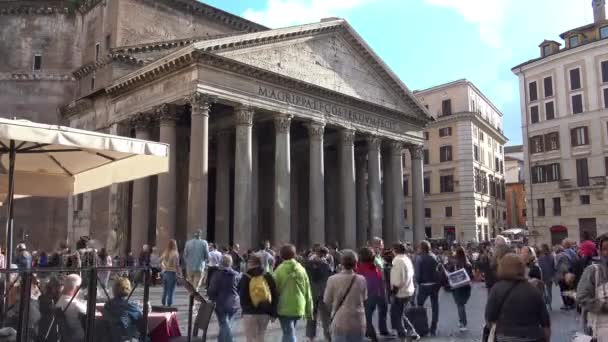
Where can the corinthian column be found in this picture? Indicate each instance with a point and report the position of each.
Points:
(347, 182)
(417, 181)
(199, 164)
(222, 189)
(282, 181)
(242, 178)
(316, 197)
(396, 190)
(373, 186)
(140, 212)
(167, 182)
(362, 222)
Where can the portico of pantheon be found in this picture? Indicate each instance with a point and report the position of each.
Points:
(296, 134)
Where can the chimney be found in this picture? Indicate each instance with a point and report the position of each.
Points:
(599, 10)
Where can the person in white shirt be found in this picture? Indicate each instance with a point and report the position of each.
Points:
(402, 287)
(215, 257)
(78, 307)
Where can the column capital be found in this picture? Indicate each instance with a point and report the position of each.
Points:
(243, 116)
(282, 123)
(416, 151)
(141, 121)
(166, 113)
(200, 103)
(373, 141)
(396, 147)
(347, 136)
(316, 130)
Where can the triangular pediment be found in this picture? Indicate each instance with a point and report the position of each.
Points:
(326, 60)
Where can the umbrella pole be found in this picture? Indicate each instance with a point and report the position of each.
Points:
(10, 198)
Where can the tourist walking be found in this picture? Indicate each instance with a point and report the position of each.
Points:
(295, 297)
(402, 288)
(318, 270)
(528, 256)
(345, 295)
(515, 306)
(461, 294)
(196, 254)
(592, 294)
(375, 288)
(24, 258)
(73, 307)
(566, 261)
(223, 290)
(238, 262)
(213, 263)
(546, 262)
(259, 297)
(382, 302)
(105, 260)
(169, 262)
(426, 270)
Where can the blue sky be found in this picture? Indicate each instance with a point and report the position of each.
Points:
(429, 42)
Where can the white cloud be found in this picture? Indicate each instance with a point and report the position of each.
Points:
(281, 13)
(487, 14)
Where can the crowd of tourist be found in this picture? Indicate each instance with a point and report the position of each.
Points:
(352, 294)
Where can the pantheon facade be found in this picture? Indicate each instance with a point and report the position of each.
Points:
(296, 134)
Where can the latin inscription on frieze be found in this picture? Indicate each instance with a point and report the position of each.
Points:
(327, 108)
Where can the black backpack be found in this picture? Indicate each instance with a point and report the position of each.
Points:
(318, 270)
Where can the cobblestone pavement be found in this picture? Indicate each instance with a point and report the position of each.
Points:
(565, 324)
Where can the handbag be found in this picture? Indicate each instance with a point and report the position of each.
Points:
(343, 299)
(489, 329)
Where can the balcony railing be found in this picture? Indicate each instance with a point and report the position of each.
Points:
(593, 182)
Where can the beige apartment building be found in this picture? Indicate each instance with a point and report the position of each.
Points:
(564, 101)
(463, 165)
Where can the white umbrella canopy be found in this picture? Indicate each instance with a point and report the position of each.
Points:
(56, 161)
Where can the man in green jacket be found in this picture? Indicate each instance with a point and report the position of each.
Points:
(295, 298)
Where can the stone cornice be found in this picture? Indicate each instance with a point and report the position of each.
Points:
(91, 67)
(48, 7)
(76, 107)
(34, 76)
(216, 14)
(168, 44)
(474, 117)
(157, 70)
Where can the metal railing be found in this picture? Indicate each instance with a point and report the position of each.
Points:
(90, 282)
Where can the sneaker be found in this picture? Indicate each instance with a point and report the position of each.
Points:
(463, 329)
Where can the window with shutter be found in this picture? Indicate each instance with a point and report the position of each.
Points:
(447, 183)
(604, 67)
(536, 144)
(548, 85)
(579, 136)
(476, 152)
(445, 153)
(540, 205)
(552, 141)
(448, 211)
(577, 103)
(557, 206)
(549, 110)
(582, 172)
(532, 91)
(534, 117)
(605, 93)
(446, 107)
(427, 212)
(575, 79)
(425, 155)
(427, 185)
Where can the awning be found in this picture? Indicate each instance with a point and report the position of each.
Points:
(558, 229)
(56, 161)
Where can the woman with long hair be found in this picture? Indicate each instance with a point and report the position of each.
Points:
(169, 263)
(463, 293)
(528, 256)
(546, 261)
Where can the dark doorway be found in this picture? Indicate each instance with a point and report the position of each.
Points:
(587, 226)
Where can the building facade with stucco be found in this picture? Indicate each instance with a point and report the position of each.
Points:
(290, 135)
(564, 108)
(463, 165)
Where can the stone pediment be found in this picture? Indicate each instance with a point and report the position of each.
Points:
(328, 61)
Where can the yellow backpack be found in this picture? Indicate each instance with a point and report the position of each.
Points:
(259, 291)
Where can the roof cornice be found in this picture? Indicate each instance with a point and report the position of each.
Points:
(474, 117)
(158, 70)
(47, 7)
(168, 44)
(199, 8)
(34, 76)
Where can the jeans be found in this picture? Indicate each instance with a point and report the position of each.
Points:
(318, 308)
(397, 310)
(568, 301)
(169, 280)
(424, 292)
(549, 293)
(371, 303)
(288, 325)
(461, 297)
(347, 338)
(225, 321)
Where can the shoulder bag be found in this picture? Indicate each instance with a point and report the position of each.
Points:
(343, 298)
(489, 330)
